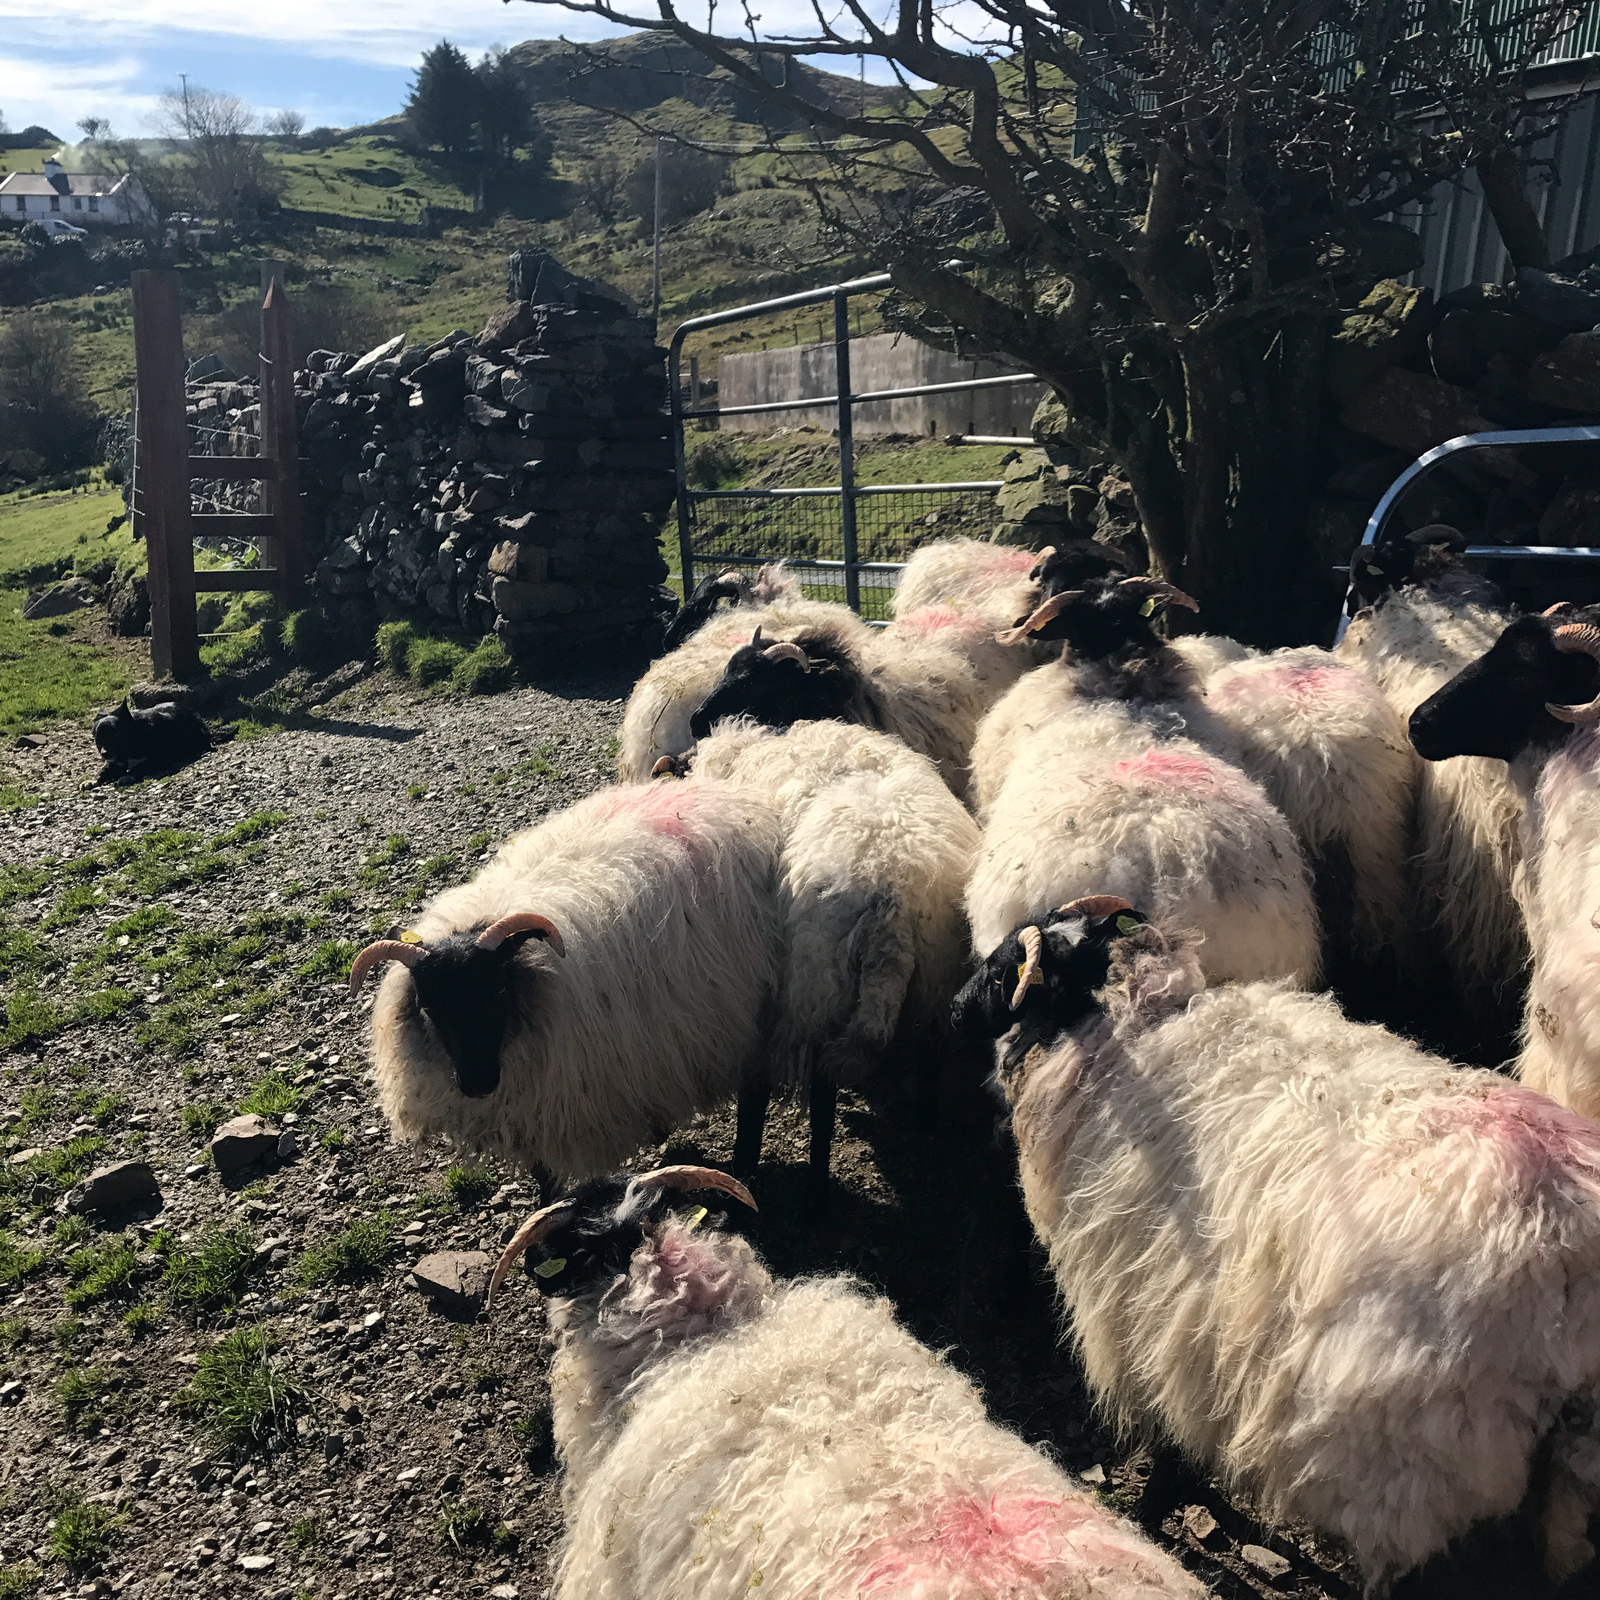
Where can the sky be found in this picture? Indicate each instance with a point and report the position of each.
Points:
(338, 62)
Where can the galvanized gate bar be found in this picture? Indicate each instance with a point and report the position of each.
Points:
(1482, 552)
(847, 491)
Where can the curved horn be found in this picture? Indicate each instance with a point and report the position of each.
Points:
(1032, 942)
(497, 933)
(691, 1178)
(1095, 905)
(1580, 638)
(755, 638)
(408, 955)
(666, 767)
(530, 1233)
(1155, 589)
(1045, 612)
(1040, 559)
(730, 576)
(786, 652)
(1559, 609)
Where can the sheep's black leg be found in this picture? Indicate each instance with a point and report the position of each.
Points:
(755, 1091)
(824, 1112)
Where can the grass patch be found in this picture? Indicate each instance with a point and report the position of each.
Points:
(19, 1580)
(271, 1095)
(470, 1183)
(241, 1397)
(141, 1320)
(70, 1232)
(358, 1253)
(334, 1138)
(211, 1275)
(101, 1272)
(17, 1261)
(201, 1118)
(479, 842)
(83, 1533)
(249, 829)
(462, 1527)
(429, 661)
(330, 960)
(78, 1392)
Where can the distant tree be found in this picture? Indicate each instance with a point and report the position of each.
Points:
(690, 181)
(95, 128)
(3, 127)
(42, 404)
(224, 159)
(285, 125)
(163, 177)
(505, 115)
(443, 108)
(600, 182)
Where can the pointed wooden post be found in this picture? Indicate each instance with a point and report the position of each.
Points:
(280, 444)
(164, 473)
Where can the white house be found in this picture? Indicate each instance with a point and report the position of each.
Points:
(85, 199)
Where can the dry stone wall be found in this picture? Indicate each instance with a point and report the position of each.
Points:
(511, 481)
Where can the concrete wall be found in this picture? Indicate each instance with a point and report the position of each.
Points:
(882, 361)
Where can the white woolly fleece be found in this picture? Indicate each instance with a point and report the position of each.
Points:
(989, 581)
(655, 722)
(1560, 893)
(1467, 810)
(875, 857)
(665, 896)
(1332, 755)
(1090, 805)
(1358, 1283)
(723, 1434)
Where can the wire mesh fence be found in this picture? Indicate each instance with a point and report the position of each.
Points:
(805, 528)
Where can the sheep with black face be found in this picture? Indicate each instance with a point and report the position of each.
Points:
(1102, 787)
(721, 1432)
(607, 975)
(1532, 701)
(927, 678)
(135, 742)
(1358, 1284)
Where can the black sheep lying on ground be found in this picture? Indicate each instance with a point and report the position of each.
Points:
(138, 743)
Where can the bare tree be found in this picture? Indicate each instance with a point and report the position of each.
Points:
(1159, 205)
(42, 404)
(94, 128)
(599, 182)
(224, 155)
(286, 125)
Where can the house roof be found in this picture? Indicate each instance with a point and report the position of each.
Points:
(77, 183)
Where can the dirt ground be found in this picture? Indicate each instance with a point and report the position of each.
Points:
(182, 954)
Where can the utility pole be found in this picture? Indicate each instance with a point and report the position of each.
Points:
(188, 132)
(655, 271)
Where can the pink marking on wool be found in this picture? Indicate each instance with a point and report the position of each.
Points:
(1169, 769)
(936, 619)
(683, 1269)
(666, 808)
(996, 1545)
(1294, 683)
(1536, 1140)
(1010, 559)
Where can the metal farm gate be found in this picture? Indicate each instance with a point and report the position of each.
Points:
(848, 540)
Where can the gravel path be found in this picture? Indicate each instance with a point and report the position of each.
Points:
(184, 951)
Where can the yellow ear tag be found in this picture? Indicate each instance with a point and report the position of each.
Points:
(1148, 608)
(1021, 973)
(548, 1269)
(693, 1219)
(1126, 924)
(410, 936)
(1377, 572)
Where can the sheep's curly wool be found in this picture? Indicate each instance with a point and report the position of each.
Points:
(1091, 806)
(988, 581)
(722, 1434)
(666, 897)
(1334, 758)
(1467, 810)
(1560, 892)
(875, 856)
(1360, 1284)
(655, 722)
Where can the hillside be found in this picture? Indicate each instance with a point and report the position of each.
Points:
(758, 239)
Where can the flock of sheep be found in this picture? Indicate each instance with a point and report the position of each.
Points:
(1358, 1284)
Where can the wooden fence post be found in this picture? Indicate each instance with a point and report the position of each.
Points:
(163, 448)
(280, 444)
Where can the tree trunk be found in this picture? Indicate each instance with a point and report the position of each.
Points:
(1506, 190)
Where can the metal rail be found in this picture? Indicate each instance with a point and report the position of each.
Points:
(843, 400)
(1502, 438)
